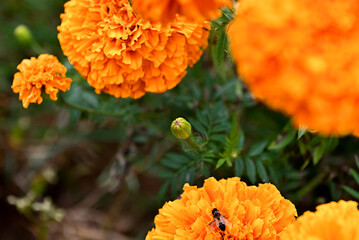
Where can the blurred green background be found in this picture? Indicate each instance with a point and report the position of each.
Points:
(95, 167)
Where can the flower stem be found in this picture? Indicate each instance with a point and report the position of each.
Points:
(193, 144)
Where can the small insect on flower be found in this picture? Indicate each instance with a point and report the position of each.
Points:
(219, 220)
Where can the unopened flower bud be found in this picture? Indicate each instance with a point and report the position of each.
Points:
(23, 34)
(181, 129)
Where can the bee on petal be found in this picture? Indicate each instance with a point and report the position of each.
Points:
(218, 221)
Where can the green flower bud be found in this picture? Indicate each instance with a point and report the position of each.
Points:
(23, 34)
(181, 129)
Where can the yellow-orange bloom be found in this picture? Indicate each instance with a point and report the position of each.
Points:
(166, 10)
(249, 212)
(121, 54)
(302, 57)
(335, 220)
(34, 74)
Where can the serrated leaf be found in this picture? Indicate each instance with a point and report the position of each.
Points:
(257, 148)
(202, 118)
(238, 167)
(198, 126)
(250, 169)
(351, 191)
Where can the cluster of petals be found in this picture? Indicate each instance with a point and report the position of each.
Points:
(37, 73)
(302, 57)
(335, 220)
(123, 55)
(251, 212)
(166, 10)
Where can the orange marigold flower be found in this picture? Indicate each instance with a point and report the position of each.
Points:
(243, 212)
(35, 73)
(335, 220)
(121, 54)
(166, 10)
(302, 57)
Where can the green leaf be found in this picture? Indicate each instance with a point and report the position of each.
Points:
(301, 132)
(226, 87)
(318, 154)
(351, 191)
(163, 173)
(218, 137)
(240, 145)
(238, 167)
(251, 169)
(355, 175)
(220, 128)
(162, 192)
(302, 147)
(205, 171)
(181, 158)
(222, 44)
(334, 192)
(201, 117)
(274, 177)
(331, 144)
(170, 164)
(198, 126)
(257, 148)
(227, 14)
(220, 162)
(174, 161)
(283, 140)
(262, 172)
(174, 186)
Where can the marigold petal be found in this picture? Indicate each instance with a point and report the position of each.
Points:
(335, 220)
(301, 58)
(252, 212)
(37, 73)
(123, 55)
(165, 10)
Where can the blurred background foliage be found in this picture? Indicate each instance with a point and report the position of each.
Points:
(95, 167)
